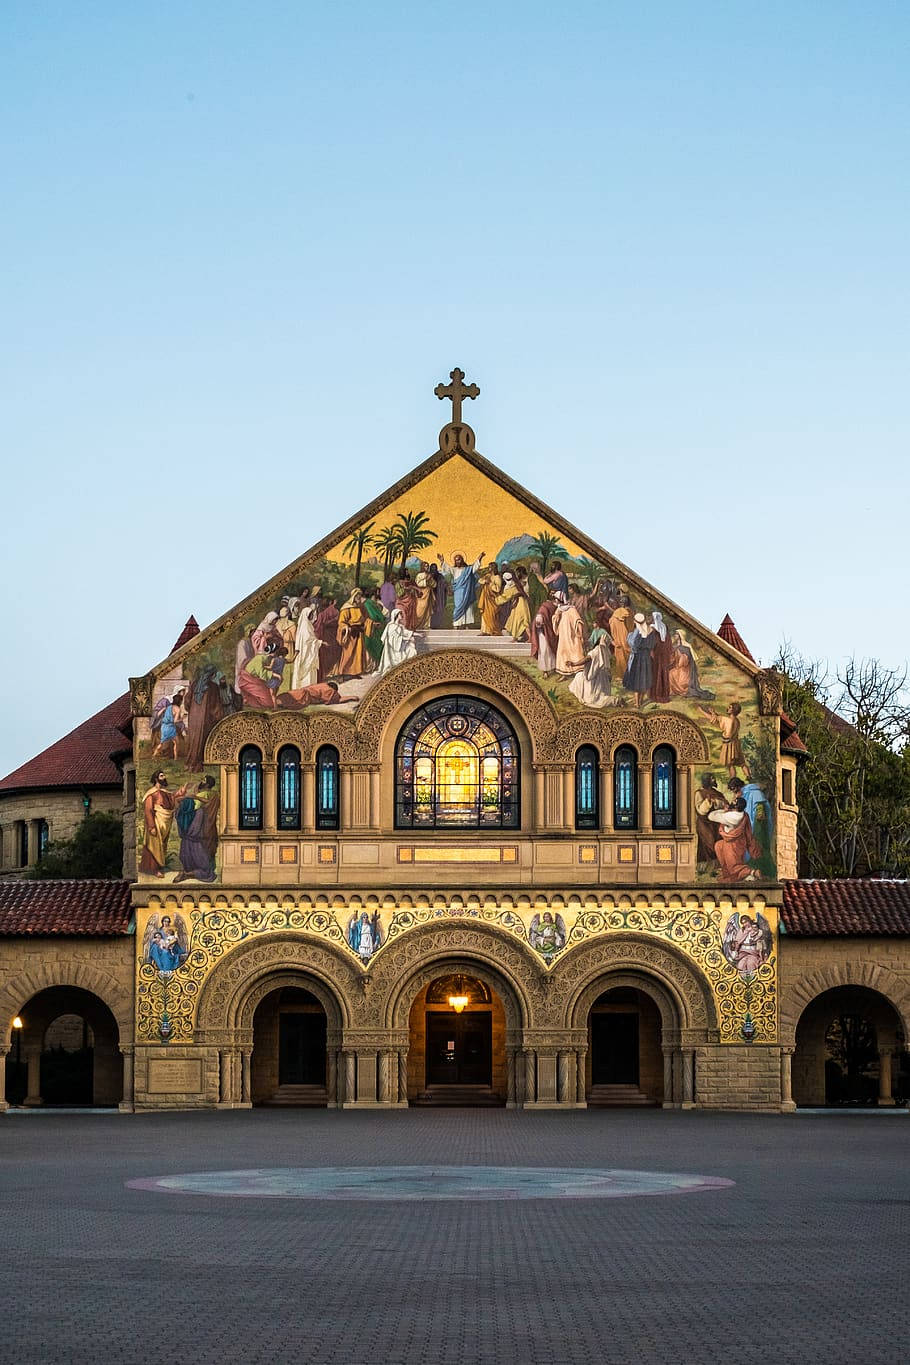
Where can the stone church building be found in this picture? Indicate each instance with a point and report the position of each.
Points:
(457, 809)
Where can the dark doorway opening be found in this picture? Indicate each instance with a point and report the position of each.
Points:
(301, 1049)
(290, 1053)
(460, 1048)
(614, 1049)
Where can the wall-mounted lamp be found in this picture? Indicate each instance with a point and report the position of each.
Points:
(17, 1022)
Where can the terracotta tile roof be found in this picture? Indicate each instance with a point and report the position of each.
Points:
(790, 741)
(82, 758)
(94, 908)
(190, 630)
(727, 631)
(841, 907)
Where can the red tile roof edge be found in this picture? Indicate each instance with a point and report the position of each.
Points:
(847, 907)
(92, 908)
(80, 759)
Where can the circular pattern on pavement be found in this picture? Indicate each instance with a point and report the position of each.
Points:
(378, 1183)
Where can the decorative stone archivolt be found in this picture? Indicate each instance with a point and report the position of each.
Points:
(229, 994)
(380, 714)
(857, 972)
(18, 990)
(682, 993)
(479, 950)
(607, 732)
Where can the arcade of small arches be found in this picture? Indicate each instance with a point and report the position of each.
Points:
(450, 741)
(454, 1017)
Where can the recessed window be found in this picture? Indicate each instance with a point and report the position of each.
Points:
(250, 788)
(289, 787)
(327, 804)
(663, 788)
(43, 838)
(457, 767)
(786, 779)
(625, 788)
(587, 781)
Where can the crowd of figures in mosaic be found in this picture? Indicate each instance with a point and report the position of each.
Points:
(454, 562)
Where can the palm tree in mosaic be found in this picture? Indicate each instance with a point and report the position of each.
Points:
(412, 534)
(591, 572)
(547, 547)
(360, 540)
(388, 543)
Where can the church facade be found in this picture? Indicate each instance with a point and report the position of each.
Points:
(459, 809)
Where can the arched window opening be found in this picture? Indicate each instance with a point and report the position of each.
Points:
(663, 788)
(625, 788)
(457, 767)
(289, 787)
(587, 781)
(250, 788)
(327, 805)
(43, 838)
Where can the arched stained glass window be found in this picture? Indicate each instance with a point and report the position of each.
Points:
(327, 804)
(587, 781)
(457, 767)
(663, 788)
(625, 788)
(250, 788)
(289, 787)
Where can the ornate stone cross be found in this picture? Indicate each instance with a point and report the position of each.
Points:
(457, 391)
(456, 434)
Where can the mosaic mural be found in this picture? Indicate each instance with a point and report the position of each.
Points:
(734, 950)
(457, 560)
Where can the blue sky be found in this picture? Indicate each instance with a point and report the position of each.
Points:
(242, 243)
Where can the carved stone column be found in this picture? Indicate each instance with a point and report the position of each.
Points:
(385, 1080)
(308, 793)
(231, 797)
(786, 1085)
(33, 1091)
(4, 1053)
(669, 1097)
(225, 1064)
(530, 1094)
(34, 836)
(885, 1096)
(565, 1090)
(270, 795)
(688, 1078)
(511, 1054)
(644, 796)
(350, 1077)
(403, 1076)
(126, 1104)
(581, 1080)
(331, 1077)
(246, 1089)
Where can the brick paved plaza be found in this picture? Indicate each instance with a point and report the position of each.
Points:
(804, 1259)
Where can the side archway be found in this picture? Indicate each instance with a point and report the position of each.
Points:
(230, 993)
(18, 990)
(797, 994)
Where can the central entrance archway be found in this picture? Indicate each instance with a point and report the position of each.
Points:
(457, 1053)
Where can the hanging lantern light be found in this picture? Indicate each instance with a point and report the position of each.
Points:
(459, 1000)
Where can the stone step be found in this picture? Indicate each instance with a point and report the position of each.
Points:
(619, 1096)
(459, 1096)
(300, 1096)
(429, 640)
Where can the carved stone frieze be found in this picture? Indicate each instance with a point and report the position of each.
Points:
(141, 690)
(770, 691)
(609, 729)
